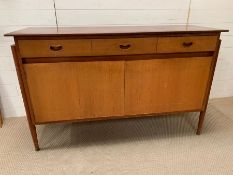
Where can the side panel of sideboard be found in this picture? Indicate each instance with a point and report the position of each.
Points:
(25, 95)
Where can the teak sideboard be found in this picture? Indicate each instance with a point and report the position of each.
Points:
(100, 73)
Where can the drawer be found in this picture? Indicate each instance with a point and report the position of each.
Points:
(54, 48)
(124, 46)
(186, 44)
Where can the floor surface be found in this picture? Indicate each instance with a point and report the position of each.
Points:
(143, 146)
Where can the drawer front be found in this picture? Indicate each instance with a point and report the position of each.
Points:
(54, 48)
(124, 46)
(186, 44)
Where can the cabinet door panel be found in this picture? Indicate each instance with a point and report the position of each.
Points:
(165, 85)
(77, 90)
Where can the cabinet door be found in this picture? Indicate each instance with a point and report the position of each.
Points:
(166, 85)
(75, 90)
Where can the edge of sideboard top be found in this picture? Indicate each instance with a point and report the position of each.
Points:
(113, 30)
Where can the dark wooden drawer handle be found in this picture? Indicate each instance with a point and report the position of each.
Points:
(187, 44)
(125, 46)
(56, 48)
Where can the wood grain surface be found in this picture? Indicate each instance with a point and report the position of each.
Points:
(124, 46)
(186, 44)
(66, 91)
(33, 48)
(165, 85)
(115, 30)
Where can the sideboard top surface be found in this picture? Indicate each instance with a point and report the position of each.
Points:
(113, 30)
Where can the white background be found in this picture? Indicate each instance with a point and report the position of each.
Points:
(17, 14)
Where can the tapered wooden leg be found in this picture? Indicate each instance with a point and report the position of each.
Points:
(202, 113)
(34, 136)
(1, 121)
(23, 87)
(200, 122)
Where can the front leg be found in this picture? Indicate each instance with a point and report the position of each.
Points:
(200, 122)
(34, 136)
